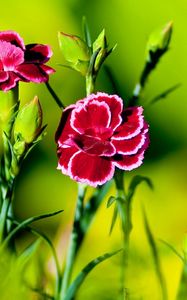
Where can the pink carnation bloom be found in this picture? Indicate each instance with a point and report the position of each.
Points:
(96, 135)
(22, 63)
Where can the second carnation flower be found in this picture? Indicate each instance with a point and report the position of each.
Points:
(96, 135)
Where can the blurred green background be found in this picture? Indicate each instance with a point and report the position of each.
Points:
(41, 188)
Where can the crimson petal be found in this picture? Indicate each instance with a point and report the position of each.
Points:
(37, 53)
(10, 82)
(32, 73)
(10, 56)
(133, 122)
(130, 162)
(130, 146)
(92, 114)
(92, 170)
(3, 76)
(114, 102)
(12, 37)
(65, 155)
(64, 128)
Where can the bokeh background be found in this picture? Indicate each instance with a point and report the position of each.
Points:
(41, 188)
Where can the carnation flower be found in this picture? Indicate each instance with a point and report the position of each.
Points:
(97, 134)
(22, 63)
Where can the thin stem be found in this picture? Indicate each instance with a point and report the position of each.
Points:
(90, 84)
(125, 213)
(74, 241)
(54, 95)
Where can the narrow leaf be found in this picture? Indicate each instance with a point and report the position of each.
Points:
(134, 184)
(71, 292)
(156, 258)
(28, 253)
(110, 201)
(164, 94)
(27, 222)
(114, 218)
(86, 32)
(172, 249)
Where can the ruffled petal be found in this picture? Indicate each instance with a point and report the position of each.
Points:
(114, 102)
(12, 37)
(130, 146)
(130, 162)
(93, 114)
(65, 155)
(94, 146)
(132, 124)
(47, 70)
(37, 53)
(32, 73)
(10, 82)
(92, 170)
(65, 130)
(3, 76)
(10, 56)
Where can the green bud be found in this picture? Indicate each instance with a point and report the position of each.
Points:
(8, 101)
(159, 40)
(100, 43)
(75, 51)
(27, 126)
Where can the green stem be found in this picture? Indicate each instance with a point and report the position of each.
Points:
(54, 95)
(7, 194)
(74, 241)
(125, 212)
(90, 84)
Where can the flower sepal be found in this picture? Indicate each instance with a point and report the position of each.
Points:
(101, 46)
(75, 51)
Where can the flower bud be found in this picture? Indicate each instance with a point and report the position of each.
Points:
(100, 43)
(159, 41)
(28, 122)
(75, 51)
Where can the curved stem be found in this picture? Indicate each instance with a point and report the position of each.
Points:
(54, 95)
(74, 241)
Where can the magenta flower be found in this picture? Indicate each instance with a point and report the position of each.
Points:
(22, 63)
(96, 135)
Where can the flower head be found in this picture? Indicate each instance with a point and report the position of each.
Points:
(22, 63)
(96, 135)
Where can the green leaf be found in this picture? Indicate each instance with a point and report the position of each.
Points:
(27, 222)
(86, 31)
(172, 249)
(29, 252)
(164, 94)
(47, 241)
(110, 201)
(73, 48)
(156, 258)
(114, 218)
(134, 184)
(72, 290)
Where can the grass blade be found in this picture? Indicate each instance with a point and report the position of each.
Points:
(25, 223)
(156, 258)
(71, 292)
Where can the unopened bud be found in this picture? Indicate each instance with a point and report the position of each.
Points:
(100, 43)
(28, 123)
(159, 40)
